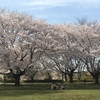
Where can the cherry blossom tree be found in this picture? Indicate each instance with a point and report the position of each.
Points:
(88, 46)
(20, 42)
(63, 56)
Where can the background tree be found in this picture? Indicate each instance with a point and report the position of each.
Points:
(88, 44)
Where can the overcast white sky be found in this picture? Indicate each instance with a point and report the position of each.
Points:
(56, 11)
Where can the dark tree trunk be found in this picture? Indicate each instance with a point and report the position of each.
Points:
(96, 81)
(95, 77)
(32, 78)
(71, 78)
(65, 77)
(17, 79)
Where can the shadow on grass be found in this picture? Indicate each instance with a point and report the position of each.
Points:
(9, 90)
(41, 89)
(80, 86)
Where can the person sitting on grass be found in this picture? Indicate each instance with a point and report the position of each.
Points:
(54, 86)
(62, 87)
(57, 86)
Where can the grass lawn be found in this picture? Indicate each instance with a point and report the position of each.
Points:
(40, 91)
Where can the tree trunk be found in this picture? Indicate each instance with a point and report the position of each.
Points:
(32, 78)
(17, 79)
(95, 77)
(79, 76)
(96, 81)
(65, 77)
(62, 77)
(71, 78)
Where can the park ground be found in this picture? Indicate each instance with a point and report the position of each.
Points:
(41, 91)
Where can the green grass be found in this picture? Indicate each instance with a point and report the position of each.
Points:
(40, 91)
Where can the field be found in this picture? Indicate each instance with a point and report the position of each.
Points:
(41, 91)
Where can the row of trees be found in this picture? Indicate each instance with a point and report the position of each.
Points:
(28, 45)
